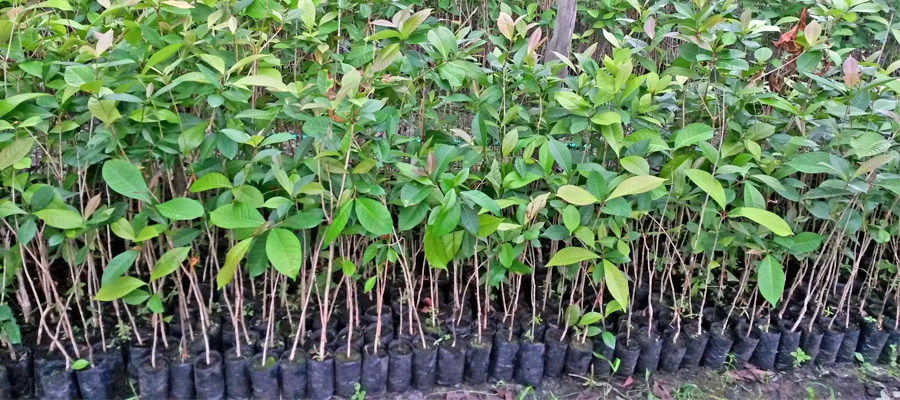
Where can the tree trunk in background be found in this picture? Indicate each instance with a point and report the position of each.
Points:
(561, 38)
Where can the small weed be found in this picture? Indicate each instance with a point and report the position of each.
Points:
(524, 394)
(688, 391)
(359, 394)
(800, 357)
(865, 368)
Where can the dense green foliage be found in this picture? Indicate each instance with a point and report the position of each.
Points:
(306, 149)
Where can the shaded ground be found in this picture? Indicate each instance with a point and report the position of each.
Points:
(840, 382)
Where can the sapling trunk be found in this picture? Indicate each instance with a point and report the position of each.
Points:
(323, 307)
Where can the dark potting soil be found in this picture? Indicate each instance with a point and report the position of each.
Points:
(766, 350)
(555, 355)
(320, 378)
(451, 362)
(530, 368)
(651, 346)
(387, 335)
(181, 380)
(787, 344)
(347, 371)
(94, 382)
(154, 379)
(5, 386)
(846, 353)
(503, 356)
(578, 356)
(209, 378)
(717, 349)
(424, 364)
(831, 344)
(136, 356)
(871, 341)
(744, 345)
(478, 360)
(627, 351)
(891, 347)
(375, 367)
(20, 373)
(237, 380)
(345, 337)
(603, 355)
(57, 382)
(293, 376)
(672, 351)
(811, 342)
(400, 358)
(695, 346)
(264, 376)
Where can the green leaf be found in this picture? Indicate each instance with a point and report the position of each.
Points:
(169, 262)
(870, 164)
(124, 178)
(510, 139)
(575, 195)
(265, 81)
(181, 209)
(765, 218)
(571, 255)
(636, 185)
(573, 314)
(349, 85)
(123, 229)
(154, 303)
(212, 180)
(60, 218)
(15, 152)
(409, 25)
(10, 103)
(440, 250)
(374, 217)
(411, 216)
(606, 118)
(803, 243)
(771, 280)
(636, 165)
(571, 218)
(161, 55)
(488, 224)
(706, 182)
(370, 283)
(118, 266)
(284, 252)
(118, 288)
(236, 216)
(443, 40)
(136, 297)
(692, 134)
(80, 364)
(589, 318)
(385, 57)
(812, 163)
(616, 283)
(338, 222)
(214, 61)
(482, 200)
(573, 103)
(232, 258)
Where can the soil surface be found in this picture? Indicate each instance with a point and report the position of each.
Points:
(837, 382)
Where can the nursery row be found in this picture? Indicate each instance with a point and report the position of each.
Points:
(241, 198)
(448, 351)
